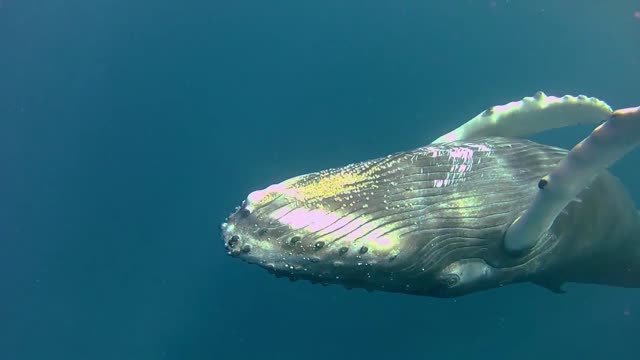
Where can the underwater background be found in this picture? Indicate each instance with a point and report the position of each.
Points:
(129, 129)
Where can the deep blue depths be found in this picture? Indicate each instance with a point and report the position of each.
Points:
(129, 129)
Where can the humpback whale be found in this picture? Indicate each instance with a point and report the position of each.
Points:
(479, 208)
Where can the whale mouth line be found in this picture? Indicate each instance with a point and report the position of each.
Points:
(291, 272)
(283, 269)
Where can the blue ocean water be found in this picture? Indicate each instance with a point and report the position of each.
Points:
(130, 128)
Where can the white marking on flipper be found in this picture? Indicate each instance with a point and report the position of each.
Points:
(529, 116)
(606, 144)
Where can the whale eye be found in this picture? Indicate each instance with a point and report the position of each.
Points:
(448, 280)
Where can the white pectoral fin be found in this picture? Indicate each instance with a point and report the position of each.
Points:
(605, 145)
(529, 116)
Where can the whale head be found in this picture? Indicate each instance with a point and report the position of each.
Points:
(319, 227)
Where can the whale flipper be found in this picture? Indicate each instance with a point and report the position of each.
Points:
(605, 145)
(529, 116)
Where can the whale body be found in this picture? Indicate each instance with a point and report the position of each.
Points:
(431, 221)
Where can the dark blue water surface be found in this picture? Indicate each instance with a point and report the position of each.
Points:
(130, 128)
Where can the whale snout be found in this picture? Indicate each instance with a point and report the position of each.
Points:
(292, 237)
(244, 238)
(234, 243)
(255, 234)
